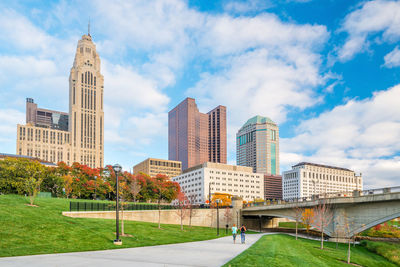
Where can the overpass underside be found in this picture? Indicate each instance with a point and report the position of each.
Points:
(350, 215)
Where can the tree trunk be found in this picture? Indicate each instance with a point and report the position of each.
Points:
(296, 229)
(190, 218)
(181, 219)
(159, 214)
(322, 238)
(348, 253)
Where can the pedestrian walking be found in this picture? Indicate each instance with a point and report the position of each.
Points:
(242, 233)
(234, 231)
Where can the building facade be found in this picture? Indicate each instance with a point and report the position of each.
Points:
(201, 181)
(257, 145)
(75, 137)
(153, 167)
(45, 118)
(195, 137)
(272, 187)
(308, 179)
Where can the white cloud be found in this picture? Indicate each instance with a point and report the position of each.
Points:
(373, 17)
(127, 88)
(392, 59)
(266, 67)
(362, 135)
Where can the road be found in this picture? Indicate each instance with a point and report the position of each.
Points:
(203, 253)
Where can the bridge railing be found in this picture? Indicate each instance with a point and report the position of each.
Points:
(355, 193)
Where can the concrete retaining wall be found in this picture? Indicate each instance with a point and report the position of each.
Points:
(200, 217)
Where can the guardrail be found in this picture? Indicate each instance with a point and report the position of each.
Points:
(355, 193)
(98, 206)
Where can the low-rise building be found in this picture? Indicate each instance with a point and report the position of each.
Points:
(3, 156)
(308, 179)
(272, 187)
(152, 167)
(201, 181)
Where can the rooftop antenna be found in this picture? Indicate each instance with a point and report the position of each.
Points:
(89, 27)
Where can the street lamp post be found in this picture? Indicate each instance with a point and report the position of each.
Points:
(217, 201)
(117, 168)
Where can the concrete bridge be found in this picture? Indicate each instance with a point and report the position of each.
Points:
(352, 212)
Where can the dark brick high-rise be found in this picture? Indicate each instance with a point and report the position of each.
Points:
(195, 137)
(272, 186)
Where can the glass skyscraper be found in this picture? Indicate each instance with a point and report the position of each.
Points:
(257, 145)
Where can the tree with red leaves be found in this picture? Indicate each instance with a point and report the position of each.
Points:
(323, 216)
(181, 205)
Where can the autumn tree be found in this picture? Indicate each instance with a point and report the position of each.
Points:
(68, 180)
(134, 187)
(225, 199)
(322, 218)
(344, 226)
(297, 215)
(181, 204)
(191, 208)
(307, 218)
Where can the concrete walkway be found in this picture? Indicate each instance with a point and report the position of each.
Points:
(203, 253)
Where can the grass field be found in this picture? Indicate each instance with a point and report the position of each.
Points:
(390, 251)
(26, 230)
(284, 250)
(291, 225)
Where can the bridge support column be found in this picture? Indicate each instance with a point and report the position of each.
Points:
(269, 222)
(339, 226)
(237, 206)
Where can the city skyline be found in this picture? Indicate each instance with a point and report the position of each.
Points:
(322, 72)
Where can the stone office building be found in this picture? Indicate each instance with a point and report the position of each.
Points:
(202, 181)
(153, 167)
(79, 135)
(308, 179)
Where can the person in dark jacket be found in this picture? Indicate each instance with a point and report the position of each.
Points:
(242, 233)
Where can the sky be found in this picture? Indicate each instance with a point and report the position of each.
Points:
(326, 71)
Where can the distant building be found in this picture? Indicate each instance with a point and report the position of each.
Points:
(201, 181)
(257, 145)
(77, 136)
(45, 118)
(272, 186)
(153, 167)
(195, 137)
(308, 179)
(45, 163)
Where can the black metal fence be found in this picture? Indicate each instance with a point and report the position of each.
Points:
(98, 206)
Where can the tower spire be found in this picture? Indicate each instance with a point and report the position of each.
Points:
(89, 27)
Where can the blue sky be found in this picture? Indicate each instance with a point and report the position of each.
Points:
(326, 71)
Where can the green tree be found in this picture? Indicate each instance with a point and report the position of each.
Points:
(32, 187)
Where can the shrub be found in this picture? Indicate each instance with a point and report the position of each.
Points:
(388, 250)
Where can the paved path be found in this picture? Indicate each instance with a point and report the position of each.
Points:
(203, 253)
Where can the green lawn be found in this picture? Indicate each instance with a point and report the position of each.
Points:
(390, 251)
(26, 230)
(284, 250)
(291, 225)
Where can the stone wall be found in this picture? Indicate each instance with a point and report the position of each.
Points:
(200, 217)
